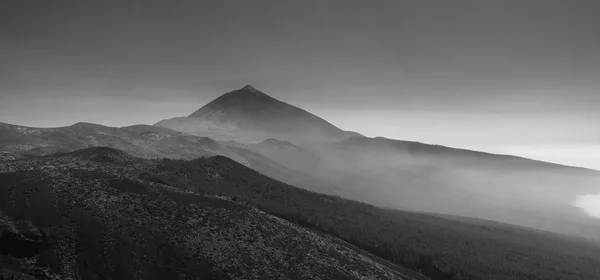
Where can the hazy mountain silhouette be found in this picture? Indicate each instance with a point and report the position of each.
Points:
(296, 147)
(439, 153)
(288, 154)
(145, 141)
(433, 178)
(248, 115)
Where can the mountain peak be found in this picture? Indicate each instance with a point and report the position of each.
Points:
(249, 92)
(249, 88)
(250, 115)
(246, 99)
(86, 125)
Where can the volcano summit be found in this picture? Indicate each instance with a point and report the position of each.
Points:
(247, 115)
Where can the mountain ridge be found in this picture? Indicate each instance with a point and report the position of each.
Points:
(146, 142)
(353, 140)
(390, 143)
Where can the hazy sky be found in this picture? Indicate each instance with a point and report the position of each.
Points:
(520, 77)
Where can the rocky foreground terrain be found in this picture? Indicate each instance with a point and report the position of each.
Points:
(100, 213)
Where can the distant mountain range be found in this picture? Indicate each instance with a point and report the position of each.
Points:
(299, 148)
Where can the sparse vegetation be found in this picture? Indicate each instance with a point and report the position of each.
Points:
(440, 248)
(102, 212)
(91, 215)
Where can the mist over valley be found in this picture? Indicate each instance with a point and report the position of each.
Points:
(317, 140)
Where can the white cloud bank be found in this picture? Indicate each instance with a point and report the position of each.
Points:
(590, 204)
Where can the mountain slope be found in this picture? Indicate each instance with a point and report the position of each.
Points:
(441, 248)
(401, 174)
(248, 115)
(384, 172)
(438, 179)
(449, 155)
(146, 142)
(393, 173)
(90, 214)
(102, 213)
(288, 154)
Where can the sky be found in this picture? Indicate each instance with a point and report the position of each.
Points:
(515, 77)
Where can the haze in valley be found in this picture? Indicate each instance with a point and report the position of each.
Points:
(507, 77)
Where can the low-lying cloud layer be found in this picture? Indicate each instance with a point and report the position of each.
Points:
(590, 204)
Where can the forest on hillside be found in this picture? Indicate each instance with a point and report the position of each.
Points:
(438, 247)
(88, 215)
